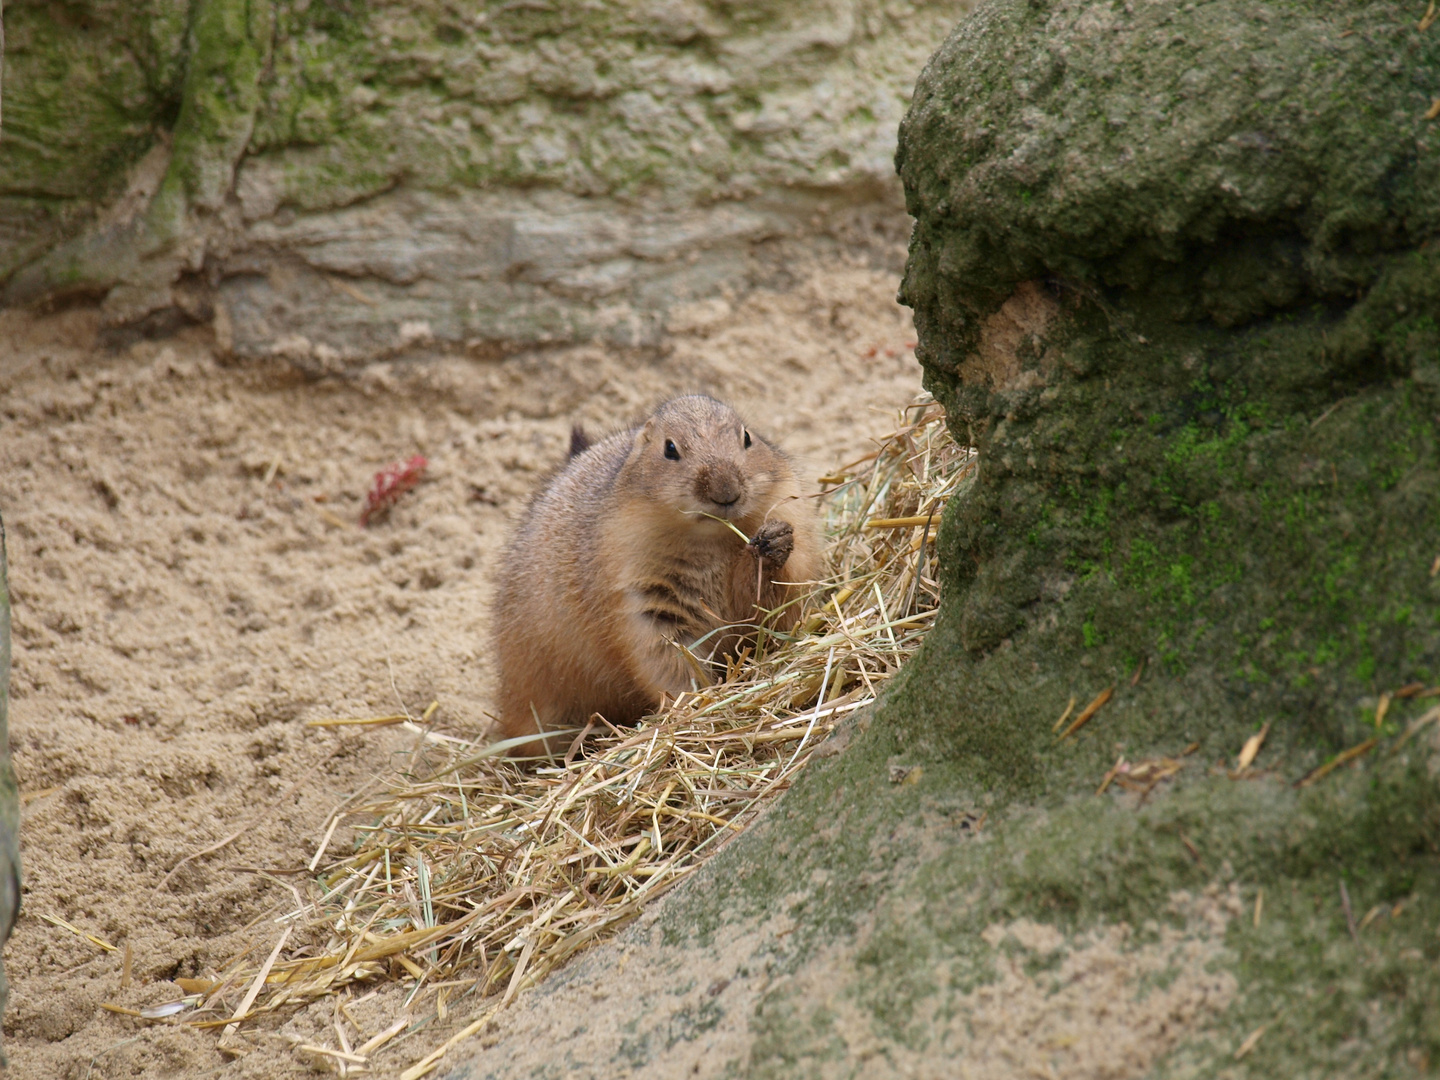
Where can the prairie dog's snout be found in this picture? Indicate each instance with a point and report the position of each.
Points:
(721, 483)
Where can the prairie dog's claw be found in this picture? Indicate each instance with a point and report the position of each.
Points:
(772, 543)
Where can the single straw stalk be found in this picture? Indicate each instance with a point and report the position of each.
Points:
(480, 868)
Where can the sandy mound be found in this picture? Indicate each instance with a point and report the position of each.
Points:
(187, 593)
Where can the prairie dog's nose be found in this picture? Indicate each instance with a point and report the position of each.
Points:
(721, 484)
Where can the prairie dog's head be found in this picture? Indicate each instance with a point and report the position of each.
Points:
(696, 456)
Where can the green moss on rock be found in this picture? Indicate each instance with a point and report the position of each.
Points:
(1186, 465)
(230, 45)
(88, 88)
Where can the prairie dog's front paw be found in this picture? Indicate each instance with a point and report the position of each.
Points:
(772, 543)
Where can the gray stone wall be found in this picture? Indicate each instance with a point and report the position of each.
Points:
(334, 181)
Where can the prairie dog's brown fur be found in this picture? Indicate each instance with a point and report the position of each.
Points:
(614, 562)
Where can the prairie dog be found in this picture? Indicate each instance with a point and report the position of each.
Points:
(614, 562)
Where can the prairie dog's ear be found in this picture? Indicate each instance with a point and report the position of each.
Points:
(648, 431)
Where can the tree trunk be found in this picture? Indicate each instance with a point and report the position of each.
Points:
(9, 789)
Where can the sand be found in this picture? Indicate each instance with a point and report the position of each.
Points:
(190, 588)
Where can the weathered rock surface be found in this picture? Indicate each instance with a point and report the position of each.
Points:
(1172, 271)
(343, 180)
(1143, 326)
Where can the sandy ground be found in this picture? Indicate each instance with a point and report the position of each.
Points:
(187, 594)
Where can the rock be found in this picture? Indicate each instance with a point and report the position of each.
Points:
(509, 176)
(1172, 270)
(1175, 304)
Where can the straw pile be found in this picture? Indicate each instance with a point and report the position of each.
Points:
(475, 876)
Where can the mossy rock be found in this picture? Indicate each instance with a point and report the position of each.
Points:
(491, 175)
(1187, 313)
(1173, 274)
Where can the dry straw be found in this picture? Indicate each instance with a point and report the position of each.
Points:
(476, 876)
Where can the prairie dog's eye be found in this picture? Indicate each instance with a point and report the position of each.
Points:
(671, 451)
(747, 438)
